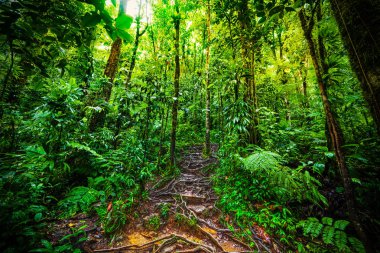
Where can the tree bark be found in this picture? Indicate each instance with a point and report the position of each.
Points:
(98, 118)
(335, 132)
(359, 25)
(248, 58)
(207, 69)
(111, 67)
(177, 73)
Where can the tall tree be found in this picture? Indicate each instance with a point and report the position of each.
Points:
(359, 24)
(334, 128)
(136, 46)
(207, 70)
(248, 58)
(177, 22)
(118, 34)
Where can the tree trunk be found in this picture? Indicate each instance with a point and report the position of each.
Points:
(176, 88)
(304, 83)
(248, 57)
(335, 133)
(6, 78)
(111, 67)
(207, 69)
(136, 46)
(98, 118)
(255, 120)
(358, 21)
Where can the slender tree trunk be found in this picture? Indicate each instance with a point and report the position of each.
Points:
(176, 88)
(136, 46)
(207, 69)
(236, 84)
(248, 57)
(335, 133)
(164, 122)
(9, 72)
(151, 33)
(195, 57)
(221, 117)
(358, 21)
(6, 78)
(304, 83)
(254, 105)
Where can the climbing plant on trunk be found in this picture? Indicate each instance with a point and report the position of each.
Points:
(117, 29)
(334, 129)
(363, 47)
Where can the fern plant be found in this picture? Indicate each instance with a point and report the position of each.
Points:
(331, 233)
(78, 199)
(284, 183)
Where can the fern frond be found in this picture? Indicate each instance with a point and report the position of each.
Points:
(340, 239)
(327, 221)
(356, 244)
(316, 229)
(262, 160)
(341, 224)
(285, 183)
(328, 234)
(78, 199)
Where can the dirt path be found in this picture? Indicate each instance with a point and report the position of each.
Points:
(181, 216)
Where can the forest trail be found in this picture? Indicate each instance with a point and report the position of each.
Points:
(181, 216)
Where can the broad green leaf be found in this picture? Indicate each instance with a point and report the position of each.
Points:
(38, 217)
(91, 19)
(276, 10)
(289, 9)
(113, 2)
(106, 17)
(124, 35)
(262, 19)
(110, 31)
(356, 180)
(99, 4)
(123, 21)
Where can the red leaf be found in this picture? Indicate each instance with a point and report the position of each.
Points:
(109, 207)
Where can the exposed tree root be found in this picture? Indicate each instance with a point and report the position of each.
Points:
(165, 242)
(240, 242)
(191, 196)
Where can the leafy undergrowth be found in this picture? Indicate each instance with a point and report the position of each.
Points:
(43, 188)
(181, 215)
(264, 196)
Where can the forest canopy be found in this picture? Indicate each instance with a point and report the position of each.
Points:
(200, 125)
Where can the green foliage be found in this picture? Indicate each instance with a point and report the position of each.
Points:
(283, 182)
(53, 164)
(68, 243)
(253, 196)
(78, 199)
(164, 210)
(332, 233)
(123, 21)
(154, 223)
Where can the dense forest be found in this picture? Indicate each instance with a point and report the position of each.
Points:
(189, 126)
